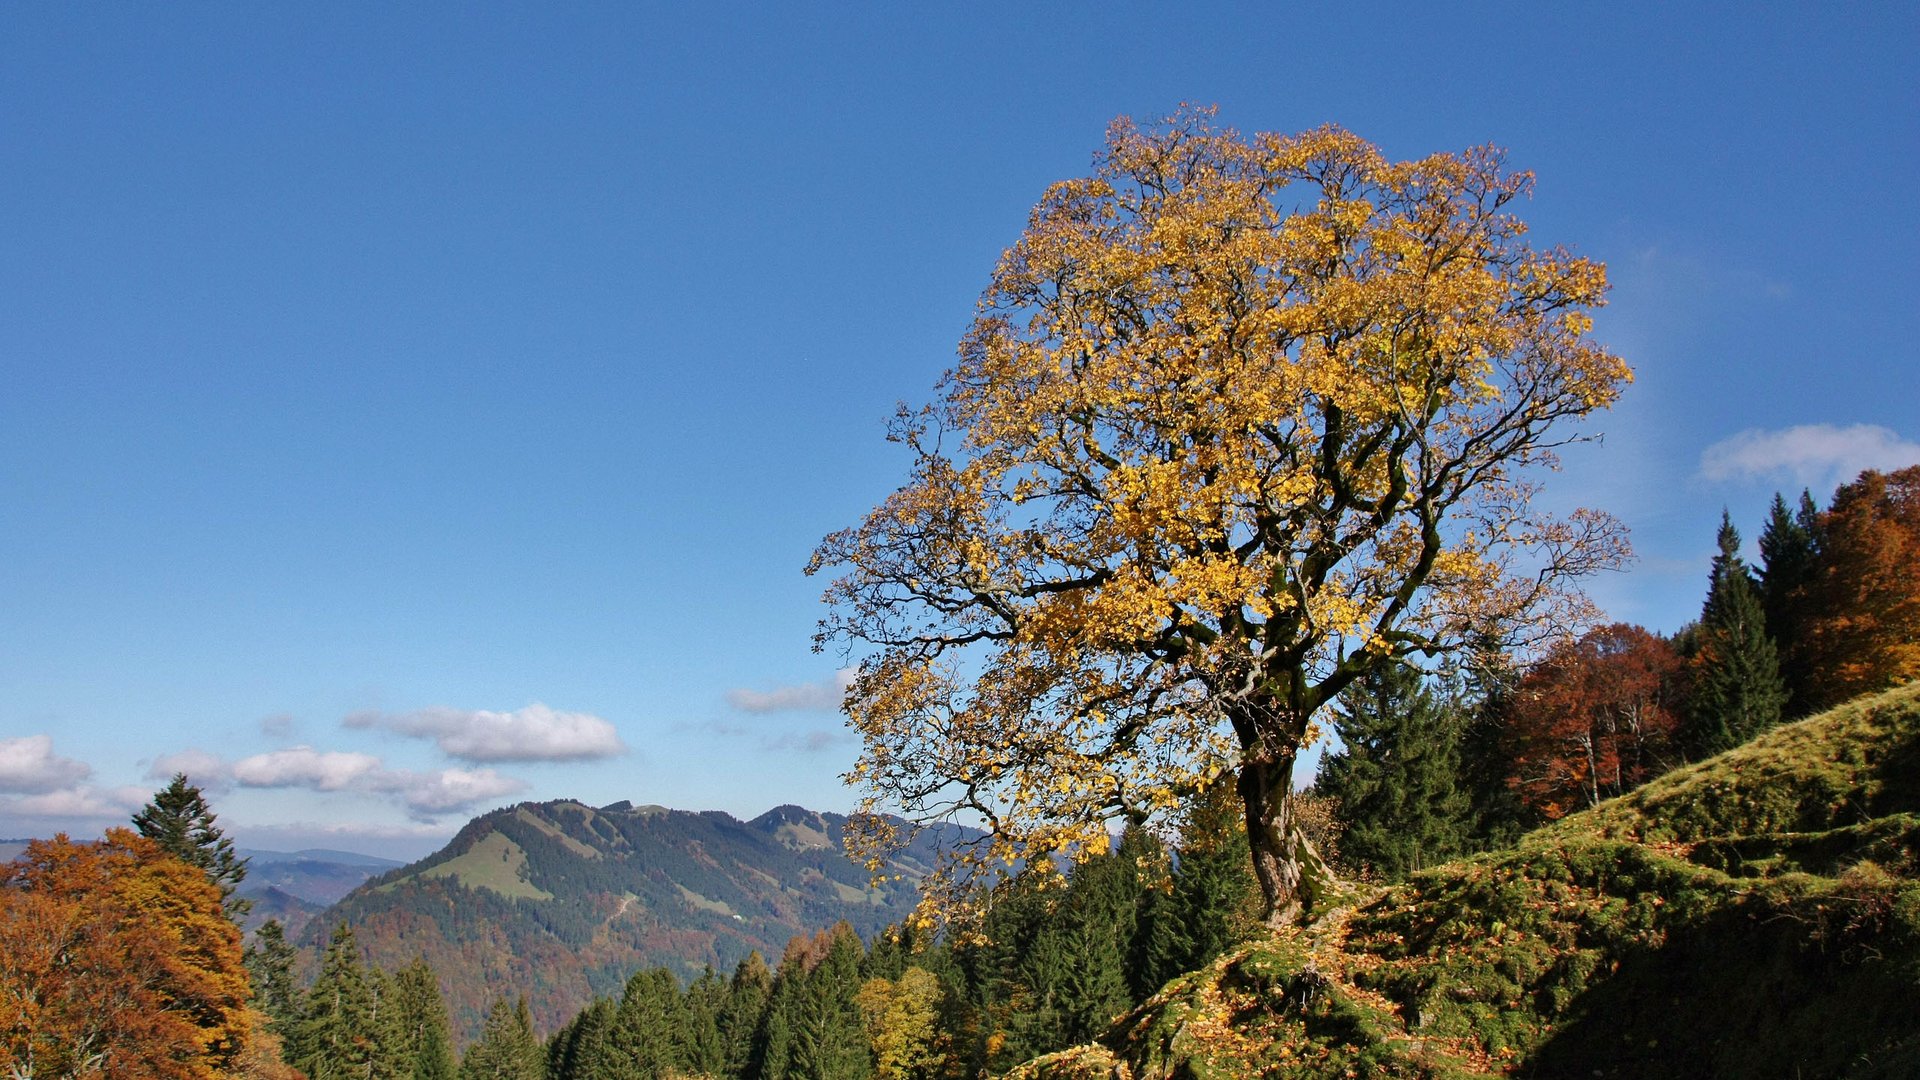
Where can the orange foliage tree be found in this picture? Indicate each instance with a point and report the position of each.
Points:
(1863, 631)
(1239, 420)
(1594, 718)
(117, 962)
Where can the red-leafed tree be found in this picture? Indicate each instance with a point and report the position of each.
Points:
(116, 961)
(1864, 627)
(1593, 718)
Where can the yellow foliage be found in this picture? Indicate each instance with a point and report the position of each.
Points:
(1238, 419)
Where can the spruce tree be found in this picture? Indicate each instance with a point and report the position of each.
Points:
(269, 958)
(1789, 562)
(742, 1018)
(703, 1047)
(179, 820)
(422, 1044)
(645, 1041)
(1208, 904)
(335, 1038)
(1396, 776)
(1736, 690)
(507, 1049)
(829, 1037)
(574, 1048)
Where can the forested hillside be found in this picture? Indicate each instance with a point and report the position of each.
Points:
(1754, 915)
(560, 901)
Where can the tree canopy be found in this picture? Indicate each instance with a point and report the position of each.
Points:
(1239, 420)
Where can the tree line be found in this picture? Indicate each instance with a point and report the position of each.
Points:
(1430, 769)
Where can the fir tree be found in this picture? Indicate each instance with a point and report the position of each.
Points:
(1397, 774)
(703, 1047)
(1789, 562)
(1736, 689)
(645, 1040)
(507, 1049)
(829, 1038)
(335, 1038)
(574, 1048)
(269, 959)
(180, 820)
(422, 1045)
(744, 1014)
(1208, 904)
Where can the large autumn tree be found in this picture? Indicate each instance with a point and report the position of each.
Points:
(1864, 626)
(116, 962)
(1239, 420)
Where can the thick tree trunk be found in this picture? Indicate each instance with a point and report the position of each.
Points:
(1292, 876)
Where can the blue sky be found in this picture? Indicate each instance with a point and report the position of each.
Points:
(406, 411)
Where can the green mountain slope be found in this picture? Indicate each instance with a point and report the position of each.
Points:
(1755, 915)
(560, 901)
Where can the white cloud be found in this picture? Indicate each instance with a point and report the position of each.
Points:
(206, 771)
(1816, 456)
(82, 801)
(806, 697)
(278, 726)
(28, 765)
(448, 790)
(535, 733)
(426, 795)
(305, 767)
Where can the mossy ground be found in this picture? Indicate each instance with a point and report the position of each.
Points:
(1756, 915)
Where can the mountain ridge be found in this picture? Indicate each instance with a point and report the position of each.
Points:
(562, 901)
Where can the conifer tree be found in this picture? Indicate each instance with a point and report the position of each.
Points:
(1496, 815)
(1736, 689)
(575, 1047)
(1397, 774)
(335, 1038)
(269, 959)
(507, 1049)
(645, 1040)
(703, 1048)
(745, 1012)
(180, 821)
(422, 1047)
(1789, 561)
(1209, 903)
(829, 1039)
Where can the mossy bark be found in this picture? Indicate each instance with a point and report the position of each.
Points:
(1293, 877)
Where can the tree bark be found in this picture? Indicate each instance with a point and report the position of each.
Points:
(1292, 876)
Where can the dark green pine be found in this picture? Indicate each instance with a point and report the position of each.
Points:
(1737, 690)
(179, 820)
(1397, 775)
(1789, 558)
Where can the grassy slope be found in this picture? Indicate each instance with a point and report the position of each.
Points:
(1755, 915)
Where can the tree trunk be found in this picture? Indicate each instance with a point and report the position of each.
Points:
(1292, 876)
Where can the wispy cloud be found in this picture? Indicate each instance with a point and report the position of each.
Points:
(804, 697)
(28, 765)
(1817, 456)
(535, 733)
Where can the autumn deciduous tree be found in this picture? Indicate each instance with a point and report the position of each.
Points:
(116, 961)
(1593, 719)
(1864, 630)
(1240, 420)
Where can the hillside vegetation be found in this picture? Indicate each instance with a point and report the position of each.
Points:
(561, 901)
(1754, 915)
